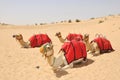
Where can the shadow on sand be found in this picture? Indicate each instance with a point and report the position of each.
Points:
(78, 65)
(103, 53)
(60, 73)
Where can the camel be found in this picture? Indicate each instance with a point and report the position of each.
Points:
(97, 46)
(35, 41)
(61, 62)
(69, 37)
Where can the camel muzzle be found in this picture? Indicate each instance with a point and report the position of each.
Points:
(14, 36)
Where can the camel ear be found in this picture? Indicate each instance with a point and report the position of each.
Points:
(86, 35)
(20, 34)
(58, 33)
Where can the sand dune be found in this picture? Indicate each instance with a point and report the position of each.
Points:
(27, 64)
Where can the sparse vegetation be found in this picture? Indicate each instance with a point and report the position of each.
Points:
(69, 21)
(65, 21)
(62, 21)
(101, 21)
(35, 24)
(77, 20)
(111, 15)
(3, 24)
(42, 23)
(92, 18)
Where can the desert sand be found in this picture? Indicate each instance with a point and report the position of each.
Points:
(18, 63)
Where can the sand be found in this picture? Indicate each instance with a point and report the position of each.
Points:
(18, 63)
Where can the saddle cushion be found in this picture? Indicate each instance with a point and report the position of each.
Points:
(38, 40)
(103, 44)
(74, 50)
(74, 37)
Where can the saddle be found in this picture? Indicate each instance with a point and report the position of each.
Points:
(74, 50)
(104, 44)
(77, 37)
(38, 40)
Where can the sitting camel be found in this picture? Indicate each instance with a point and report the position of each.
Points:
(70, 53)
(97, 46)
(34, 41)
(69, 37)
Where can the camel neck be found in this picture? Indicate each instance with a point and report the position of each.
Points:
(23, 43)
(61, 39)
(88, 46)
(51, 60)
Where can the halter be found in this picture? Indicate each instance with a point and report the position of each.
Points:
(45, 51)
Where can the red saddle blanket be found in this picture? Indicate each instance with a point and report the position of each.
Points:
(103, 44)
(74, 50)
(74, 37)
(38, 40)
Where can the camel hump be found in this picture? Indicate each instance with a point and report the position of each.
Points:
(103, 44)
(39, 39)
(74, 50)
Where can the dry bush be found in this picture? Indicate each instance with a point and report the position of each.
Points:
(92, 18)
(77, 20)
(69, 21)
(35, 24)
(101, 21)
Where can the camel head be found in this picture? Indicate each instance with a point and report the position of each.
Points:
(47, 50)
(18, 36)
(58, 34)
(86, 37)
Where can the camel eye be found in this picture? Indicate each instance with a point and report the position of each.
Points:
(49, 48)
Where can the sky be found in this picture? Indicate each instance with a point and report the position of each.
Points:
(47, 11)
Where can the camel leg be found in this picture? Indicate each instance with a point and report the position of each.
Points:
(67, 66)
(89, 52)
(94, 49)
(97, 50)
